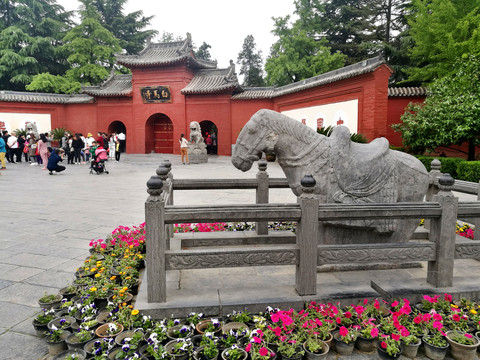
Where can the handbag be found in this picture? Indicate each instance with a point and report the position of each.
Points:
(25, 149)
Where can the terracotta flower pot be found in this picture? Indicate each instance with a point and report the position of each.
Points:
(102, 331)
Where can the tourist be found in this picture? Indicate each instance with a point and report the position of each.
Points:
(12, 143)
(49, 140)
(117, 150)
(77, 145)
(214, 143)
(64, 141)
(184, 148)
(70, 151)
(89, 142)
(112, 144)
(3, 152)
(53, 161)
(21, 147)
(92, 149)
(123, 141)
(100, 139)
(208, 142)
(84, 148)
(32, 147)
(5, 136)
(43, 150)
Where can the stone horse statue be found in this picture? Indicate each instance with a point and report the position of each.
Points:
(345, 173)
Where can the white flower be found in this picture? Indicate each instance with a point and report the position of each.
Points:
(54, 328)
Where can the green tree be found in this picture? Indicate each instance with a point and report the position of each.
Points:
(31, 31)
(450, 113)
(442, 32)
(127, 28)
(203, 53)
(297, 56)
(251, 63)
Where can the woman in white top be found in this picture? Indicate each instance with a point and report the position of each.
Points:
(184, 148)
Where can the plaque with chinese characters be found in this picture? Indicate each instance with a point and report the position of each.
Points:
(156, 94)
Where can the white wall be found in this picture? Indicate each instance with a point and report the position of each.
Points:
(12, 121)
(330, 113)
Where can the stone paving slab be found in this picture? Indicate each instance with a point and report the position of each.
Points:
(17, 346)
(25, 294)
(13, 314)
(19, 273)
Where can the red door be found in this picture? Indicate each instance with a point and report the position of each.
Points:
(163, 136)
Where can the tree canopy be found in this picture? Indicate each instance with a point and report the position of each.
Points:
(450, 113)
(250, 61)
(443, 31)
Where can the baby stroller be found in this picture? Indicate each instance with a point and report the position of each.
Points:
(98, 164)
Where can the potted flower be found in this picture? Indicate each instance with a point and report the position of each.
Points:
(79, 338)
(111, 329)
(68, 292)
(179, 332)
(41, 321)
(234, 352)
(258, 351)
(212, 325)
(410, 345)
(315, 348)
(389, 347)
(194, 318)
(71, 354)
(291, 349)
(240, 317)
(97, 347)
(435, 345)
(179, 349)
(345, 340)
(55, 339)
(154, 347)
(463, 346)
(208, 350)
(47, 301)
(367, 335)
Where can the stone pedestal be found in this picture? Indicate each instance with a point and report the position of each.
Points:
(197, 158)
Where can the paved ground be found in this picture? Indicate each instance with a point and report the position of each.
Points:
(48, 221)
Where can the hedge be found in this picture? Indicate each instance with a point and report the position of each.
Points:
(449, 165)
(469, 171)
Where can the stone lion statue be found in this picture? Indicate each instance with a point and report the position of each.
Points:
(31, 128)
(196, 133)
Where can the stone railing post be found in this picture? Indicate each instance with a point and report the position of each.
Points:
(442, 232)
(476, 221)
(168, 165)
(307, 235)
(433, 176)
(262, 194)
(162, 173)
(155, 241)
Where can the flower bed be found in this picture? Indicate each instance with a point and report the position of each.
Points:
(115, 261)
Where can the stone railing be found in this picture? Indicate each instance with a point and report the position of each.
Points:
(306, 253)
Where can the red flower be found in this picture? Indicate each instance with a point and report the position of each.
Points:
(383, 344)
(396, 337)
(456, 317)
(263, 351)
(348, 314)
(343, 331)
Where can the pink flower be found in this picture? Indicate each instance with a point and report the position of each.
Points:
(448, 297)
(348, 314)
(395, 303)
(263, 351)
(249, 347)
(396, 337)
(374, 332)
(468, 335)
(257, 339)
(383, 344)
(343, 331)
(338, 320)
(417, 319)
(456, 317)
(437, 317)
(365, 301)
(274, 318)
(437, 325)
(376, 305)
(404, 332)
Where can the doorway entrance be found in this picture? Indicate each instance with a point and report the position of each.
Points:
(159, 134)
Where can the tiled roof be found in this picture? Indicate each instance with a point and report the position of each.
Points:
(251, 93)
(363, 67)
(115, 85)
(158, 54)
(30, 97)
(213, 81)
(407, 91)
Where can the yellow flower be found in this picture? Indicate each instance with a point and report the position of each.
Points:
(135, 312)
(93, 289)
(113, 277)
(93, 269)
(125, 288)
(97, 275)
(140, 256)
(474, 312)
(128, 278)
(454, 306)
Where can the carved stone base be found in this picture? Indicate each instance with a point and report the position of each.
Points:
(198, 158)
(371, 266)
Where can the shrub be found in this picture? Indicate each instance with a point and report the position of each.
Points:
(449, 165)
(469, 171)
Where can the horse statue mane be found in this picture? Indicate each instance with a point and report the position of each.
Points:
(345, 172)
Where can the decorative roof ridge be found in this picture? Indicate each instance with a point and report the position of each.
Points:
(231, 76)
(207, 63)
(26, 96)
(407, 91)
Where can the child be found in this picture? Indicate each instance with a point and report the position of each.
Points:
(117, 150)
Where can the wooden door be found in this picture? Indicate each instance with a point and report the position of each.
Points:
(163, 136)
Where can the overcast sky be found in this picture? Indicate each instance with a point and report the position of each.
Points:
(223, 24)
